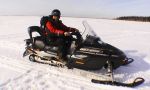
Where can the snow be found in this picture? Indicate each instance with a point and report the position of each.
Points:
(18, 73)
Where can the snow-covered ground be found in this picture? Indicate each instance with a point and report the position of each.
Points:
(18, 73)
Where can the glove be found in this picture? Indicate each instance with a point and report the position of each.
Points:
(67, 34)
(74, 30)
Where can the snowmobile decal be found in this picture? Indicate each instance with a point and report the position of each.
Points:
(79, 56)
(91, 53)
(79, 62)
(89, 50)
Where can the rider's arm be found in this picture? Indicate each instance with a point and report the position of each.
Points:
(68, 29)
(51, 28)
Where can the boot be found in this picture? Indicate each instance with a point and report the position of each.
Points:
(62, 57)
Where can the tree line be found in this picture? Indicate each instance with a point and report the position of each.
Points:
(134, 18)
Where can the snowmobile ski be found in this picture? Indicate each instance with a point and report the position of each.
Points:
(138, 81)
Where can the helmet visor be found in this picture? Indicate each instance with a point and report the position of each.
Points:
(56, 14)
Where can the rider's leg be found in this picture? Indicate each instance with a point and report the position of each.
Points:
(64, 46)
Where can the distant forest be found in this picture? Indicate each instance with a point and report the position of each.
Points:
(134, 18)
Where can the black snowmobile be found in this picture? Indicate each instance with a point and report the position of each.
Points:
(91, 53)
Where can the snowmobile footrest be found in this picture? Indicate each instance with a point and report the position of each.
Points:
(136, 82)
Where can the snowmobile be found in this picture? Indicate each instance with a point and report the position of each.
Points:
(87, 53)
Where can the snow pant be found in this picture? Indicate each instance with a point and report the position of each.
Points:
(64, 44)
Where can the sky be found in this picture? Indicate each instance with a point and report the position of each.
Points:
(77, 8)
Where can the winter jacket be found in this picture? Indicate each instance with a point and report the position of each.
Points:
(57, 28)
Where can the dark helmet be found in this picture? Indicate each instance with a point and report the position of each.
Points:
(56, 12)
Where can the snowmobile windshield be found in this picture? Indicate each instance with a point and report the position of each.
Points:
(89, 34)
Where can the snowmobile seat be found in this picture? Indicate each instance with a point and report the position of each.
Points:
(41, 32)
(40, 44)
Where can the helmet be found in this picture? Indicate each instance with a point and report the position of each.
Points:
(56, 12)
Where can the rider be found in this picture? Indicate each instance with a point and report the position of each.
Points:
(59, 33)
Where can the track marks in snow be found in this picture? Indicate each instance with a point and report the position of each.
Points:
(40, 76)
(45, 80)
(14, 64)
(11, 45)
